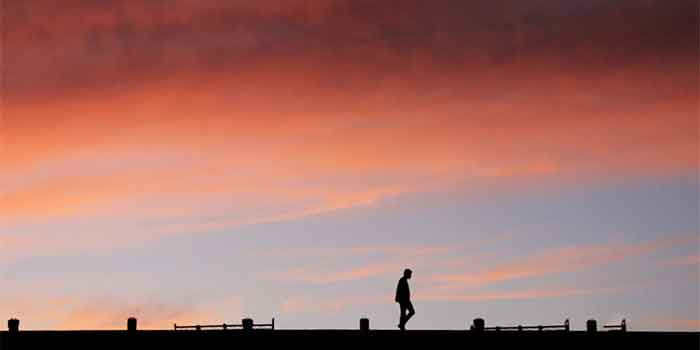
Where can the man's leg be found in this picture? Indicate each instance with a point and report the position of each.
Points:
(411, 312)
(402, 316)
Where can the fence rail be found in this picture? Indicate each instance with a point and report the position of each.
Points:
(620, 327)
(563, 327)
(245, 324)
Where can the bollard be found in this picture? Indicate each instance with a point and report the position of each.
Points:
(623, 326)
(13, 325)
(591, 326)
(364, 324)
(247, 324)
(131, 324)
(478, 325)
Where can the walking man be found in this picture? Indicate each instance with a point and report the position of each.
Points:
(403, 297)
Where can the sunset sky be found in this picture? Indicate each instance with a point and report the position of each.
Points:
(200, 161)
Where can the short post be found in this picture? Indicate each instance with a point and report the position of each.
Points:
(591, 326)
(623, 326)
(247, 324)
(13, 325)
(567, 327)
(364, 324)
(479, 325)
(131, 324)
(520, 328)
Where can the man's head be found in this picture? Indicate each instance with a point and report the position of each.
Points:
(407, 273)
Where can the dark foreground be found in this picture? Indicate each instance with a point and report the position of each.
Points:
(328, 339)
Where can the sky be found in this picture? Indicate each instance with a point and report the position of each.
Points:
(191, 161)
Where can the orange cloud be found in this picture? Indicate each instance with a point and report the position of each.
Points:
(670, 323)
(505, 129)
(76, 313)
(683, 324)
(313, 128)
(357, 158)
(169, 218)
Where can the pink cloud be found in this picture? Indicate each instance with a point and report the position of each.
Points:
(540, 293)
(555, 261)
(326, 277)
(392, 262)
(391, 251)
(689, 260)
(303, 304)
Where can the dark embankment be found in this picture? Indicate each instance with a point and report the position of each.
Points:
(325, 339)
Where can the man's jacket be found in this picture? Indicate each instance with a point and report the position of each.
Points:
(403, 295)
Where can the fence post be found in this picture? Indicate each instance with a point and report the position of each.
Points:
(591, 326)
(131, 324)
(478, 325)
(247, 324)
(13, 325)
(364, 324)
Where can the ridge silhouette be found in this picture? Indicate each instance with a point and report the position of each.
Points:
(358, 339)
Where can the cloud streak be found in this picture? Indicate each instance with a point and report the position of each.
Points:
(690, 260)
(526, 294)
(557, 260)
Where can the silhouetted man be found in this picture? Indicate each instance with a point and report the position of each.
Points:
(403, 297)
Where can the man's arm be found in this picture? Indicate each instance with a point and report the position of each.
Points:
(398, 292)
(408, 292)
